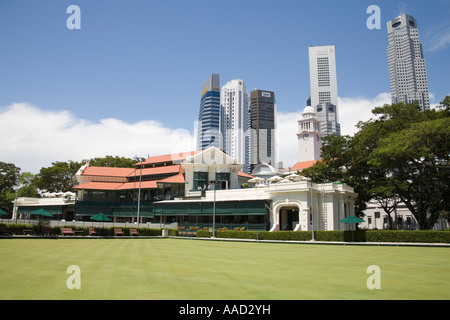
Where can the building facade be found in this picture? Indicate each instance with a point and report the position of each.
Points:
(235, 121)
(208, 130)
(205, 187)
(407, 68)
(309, 136)
(263, 142)
(323, 87)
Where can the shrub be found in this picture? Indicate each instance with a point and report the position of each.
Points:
(429, 236)
(203, 234)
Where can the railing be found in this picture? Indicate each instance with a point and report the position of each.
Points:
(61, 223)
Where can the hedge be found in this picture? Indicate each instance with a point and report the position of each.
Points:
(17, 229)
(427, 236)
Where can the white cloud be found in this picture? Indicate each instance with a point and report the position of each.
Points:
(355, 109)
(351, 111)
(438, 40)
(32, 138)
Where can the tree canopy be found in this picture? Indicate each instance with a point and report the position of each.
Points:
(402, 154)
(60, 176)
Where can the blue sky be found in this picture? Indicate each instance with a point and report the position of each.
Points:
(147, 60)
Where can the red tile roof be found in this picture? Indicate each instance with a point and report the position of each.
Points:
(303, 165)
(135, 185)
(168, 157)
(107, 171)
(245, 175)
(99, 186)
(157, 170)
(179, 178)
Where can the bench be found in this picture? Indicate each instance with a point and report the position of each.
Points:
(66, 231)
(134, 232)
(92, 232)
(45, 230)
(118, 232)
(3, 229)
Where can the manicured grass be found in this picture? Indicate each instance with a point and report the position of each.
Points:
(192, 269)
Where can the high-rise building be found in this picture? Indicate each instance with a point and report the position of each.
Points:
(208, 130)
(323, 86)
(262, 128)
(235, 121)
(407, 70)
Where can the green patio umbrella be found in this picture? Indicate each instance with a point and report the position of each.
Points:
(352, 219)
(100, 217)
(41, 213)
(3, 212)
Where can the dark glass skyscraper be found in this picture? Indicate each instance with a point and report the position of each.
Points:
(263, 126)
(208, 132)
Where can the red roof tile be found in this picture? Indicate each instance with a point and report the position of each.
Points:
(245, 175)
(135, 185)
(107, 171)
(157, 170)
(303, 165)
(169, 157)
(179, 178)
(99, 186)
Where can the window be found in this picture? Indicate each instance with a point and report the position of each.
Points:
(223, 181)
(200, 180)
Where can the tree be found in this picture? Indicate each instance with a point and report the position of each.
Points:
(110, 161)
(417, 158)
(8, 180)
(27, 185)
(402, 153)
(60, 177)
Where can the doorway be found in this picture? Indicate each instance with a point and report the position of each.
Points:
(289, 218)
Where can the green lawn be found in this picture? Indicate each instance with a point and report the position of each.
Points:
(191, 269)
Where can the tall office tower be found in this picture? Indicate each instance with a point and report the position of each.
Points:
(262, 128)
(208, 131)
(323, 86)
(235, 121)
(407, 70)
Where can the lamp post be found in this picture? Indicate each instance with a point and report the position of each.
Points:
(214, 182)
(139, 194)
(311, 210)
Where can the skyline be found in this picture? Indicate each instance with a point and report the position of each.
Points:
(135, 71)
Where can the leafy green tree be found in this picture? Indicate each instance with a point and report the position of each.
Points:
(27, 185)
(110, 161)
(8, 180)
(60, 177)
(417, 158)
(402, 153)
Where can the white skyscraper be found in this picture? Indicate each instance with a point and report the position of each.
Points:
(235, 121)
(323, 86)
(407, 70)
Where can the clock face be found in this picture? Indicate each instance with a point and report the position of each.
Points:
(305, 136)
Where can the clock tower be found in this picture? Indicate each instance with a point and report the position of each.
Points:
(309, 137)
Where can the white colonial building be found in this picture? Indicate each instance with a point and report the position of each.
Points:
(290, 203)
